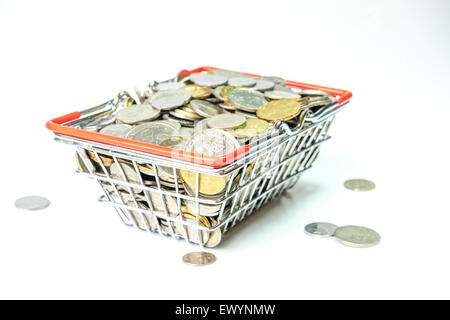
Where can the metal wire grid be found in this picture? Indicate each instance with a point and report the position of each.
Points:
(273, 165)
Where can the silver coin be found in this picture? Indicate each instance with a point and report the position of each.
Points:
(278, 94)
(152, 132)
(175, 142)
(215, 237)
(176, 125)
(130, 174)
(199, 258)
(246, 99)
(98, 123)
(117, 130)
(320, 229)
(168, 86)
(242, 81)
(359, 185)
(217, 92)
(212, 142)
(226, 121)
(32, 203)
(181, 122)
(310, 92)
(357, 236)
(201, 125)
(209, 80)
(204, 108)
(278, 87)
(246, 114)
(277, 80)
(208, 210)
(169, 99)
(263, 85)
(186, 132)
(141, 219)
(228, 73)
(137, 113)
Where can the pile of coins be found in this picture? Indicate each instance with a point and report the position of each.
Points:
(210, 113)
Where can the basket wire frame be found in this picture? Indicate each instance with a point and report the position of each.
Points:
(273, 166)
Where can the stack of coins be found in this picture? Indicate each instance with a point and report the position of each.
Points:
(211, 113)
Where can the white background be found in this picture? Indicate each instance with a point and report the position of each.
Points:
(58, 57)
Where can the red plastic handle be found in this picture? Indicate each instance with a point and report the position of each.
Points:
(56, 125)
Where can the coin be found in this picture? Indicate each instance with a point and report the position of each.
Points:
(168, 85)
(246, 99)
(98, 123)
(130, 174)
(357, 237)
(278, 94)
(251, 128)
(198, 92)
(246, 114)
(204, 108)
(137, 113)
(199, 258)
(193, 233)
(175, 124)
(174, 142)
(141, 218)
(209, 142)
(182, 122)
(359, 185)
(228, 73)
(169, 99)
(263, 85)
(208, 184)
(225, 90)
(116, 130)
(32, 203)
(320, 229)
(152, 132)
(186, 115)
(217, 92)
(209, 80)
(208, 210)
(107, 161)
(242, 81)
(215, 237)
(277, 80)
(283, 109)
(226, 121)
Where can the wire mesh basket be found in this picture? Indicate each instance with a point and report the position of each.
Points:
(145, 183)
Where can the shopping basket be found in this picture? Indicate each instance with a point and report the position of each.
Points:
(254, 174)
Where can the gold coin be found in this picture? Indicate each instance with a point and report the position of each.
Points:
(107, 161)
(209, 185)
(283, 109)
(251, 128)
(128, 101)
(198, 92)
(189, 214)
(188, 114)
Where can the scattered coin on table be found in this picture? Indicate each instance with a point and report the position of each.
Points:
(200, 258)
(32, 203)
(359, 185)
(320, 229)
(357, 236)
